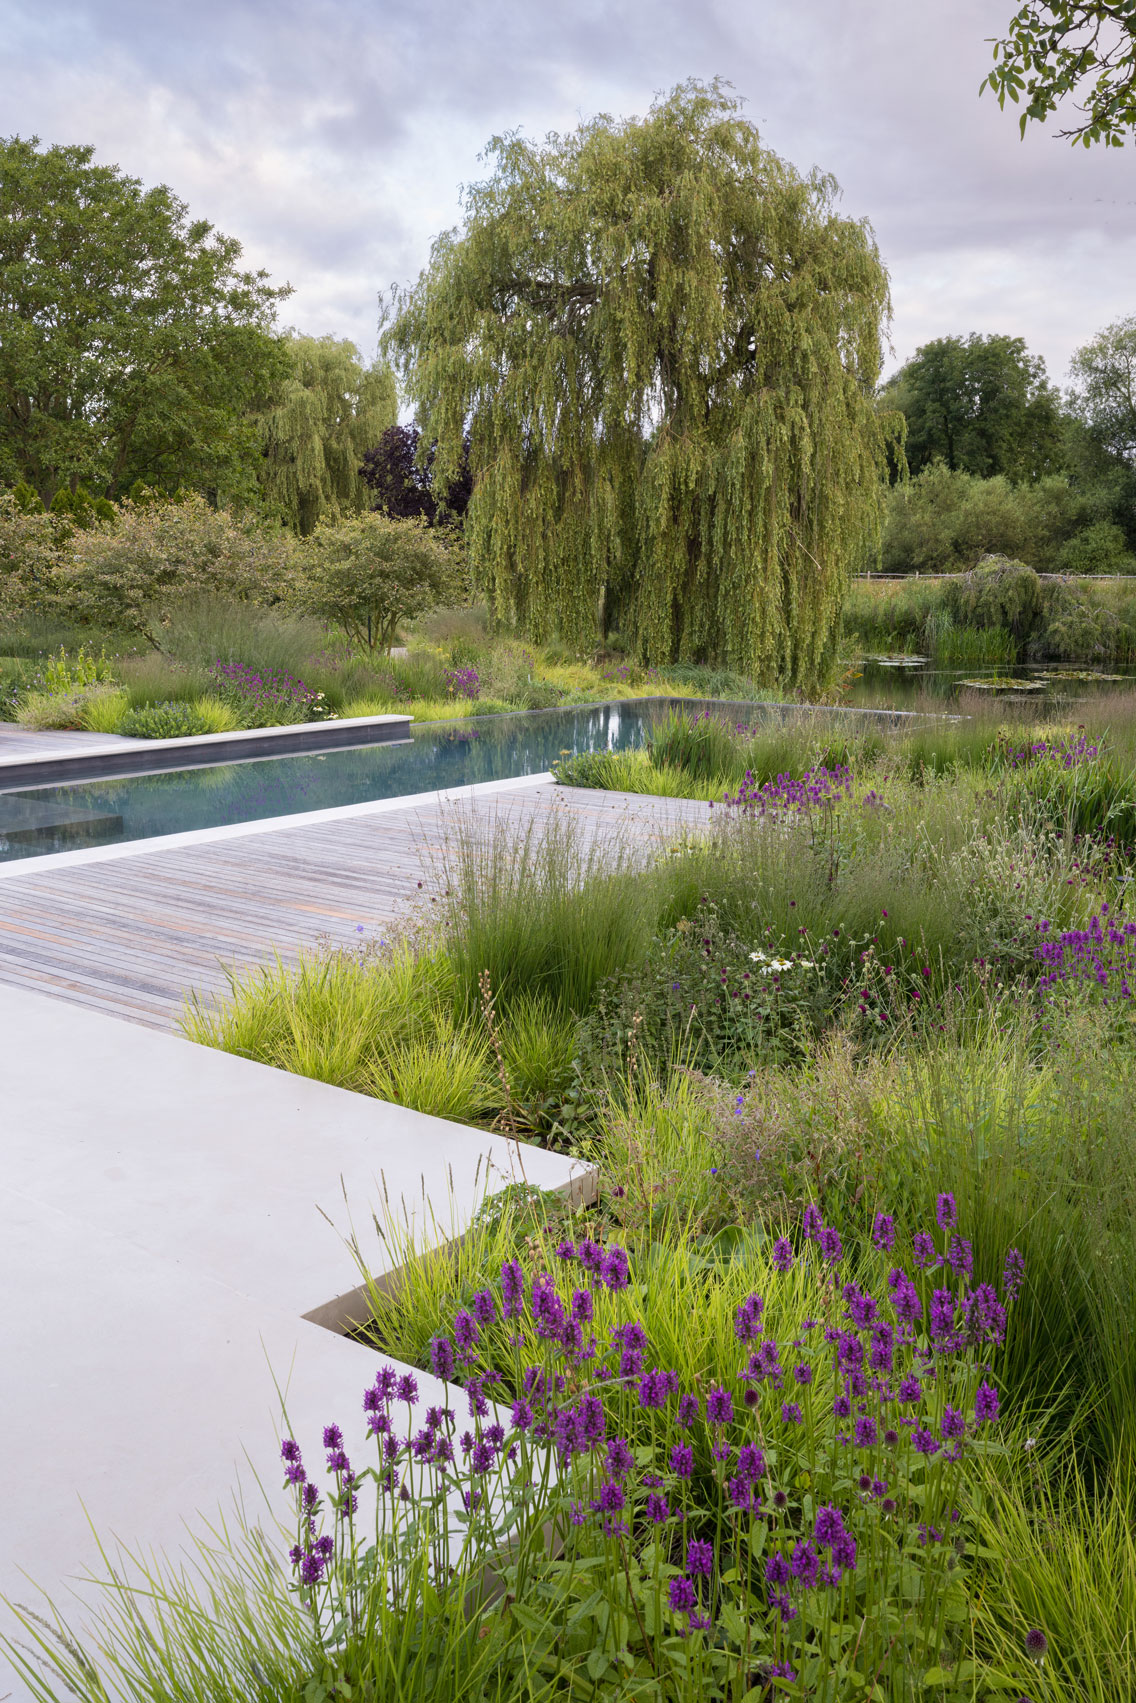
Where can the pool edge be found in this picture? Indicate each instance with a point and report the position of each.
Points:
(48, 861)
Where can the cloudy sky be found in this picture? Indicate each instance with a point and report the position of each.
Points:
(332, 136)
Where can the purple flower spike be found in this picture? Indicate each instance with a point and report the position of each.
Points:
(699, 1558)
(883, 1232)
(985, 1404)
(783, 1254)
(615, 1272)
(946, 1212)
(680, 1594)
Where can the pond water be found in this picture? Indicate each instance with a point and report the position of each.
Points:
(919, 683)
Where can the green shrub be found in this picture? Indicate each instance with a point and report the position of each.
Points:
(174, 719)
(1100, 549)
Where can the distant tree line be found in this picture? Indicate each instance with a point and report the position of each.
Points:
(1000, 462)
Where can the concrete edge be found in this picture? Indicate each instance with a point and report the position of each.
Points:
(269, 825)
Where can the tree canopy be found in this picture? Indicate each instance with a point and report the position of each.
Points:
(369, 573)
(981, 404)
(399, 471)
(1083, 50)
(663, 343)
(329, 409)
(132, 345)
(1103, 392)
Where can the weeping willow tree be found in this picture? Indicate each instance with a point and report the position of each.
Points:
(329, 411)
(663, 344)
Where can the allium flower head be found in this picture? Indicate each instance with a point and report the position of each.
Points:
(1036, 1644)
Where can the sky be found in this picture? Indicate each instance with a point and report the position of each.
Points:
(332, 137)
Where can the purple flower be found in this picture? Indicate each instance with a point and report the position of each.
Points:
(960, 1256)
(332, 1437)
(1013, 1272)
(865, 1431)
(442, 1358)
(985, 1403)
(620, 1459)
(751, 1462)
(942, 1314)
(484, 1307)
(747, 1318)
(812, 1223)
(841, 1407)
(512, 1290)
(466, 1334)
(658, 1509)
(883, 1232)
(910, 1390)
(791, 1413)
(611, 1499)
(924, 1442)
(582, 1305)
(699, 1558)
(688, 1410)
(777, 1569)
(1036, 1644)
(923, 1247)
(680, 1594)
(682, 1460)
(830, 1245)
(655, 1387)
(719, 1407)
(783, 1254)
(290, 1450)
(615, 1271)
(482, 1456)
(946, 1213)
(803, 1373)
(829, 1525)
(984, 1317)
(804, 1564)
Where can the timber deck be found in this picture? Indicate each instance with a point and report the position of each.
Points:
(134, 936)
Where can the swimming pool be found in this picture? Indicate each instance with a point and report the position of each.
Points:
(38, 820)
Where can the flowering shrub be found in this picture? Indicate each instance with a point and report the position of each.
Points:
(462, 683)
(268, 699)
(790, 1519)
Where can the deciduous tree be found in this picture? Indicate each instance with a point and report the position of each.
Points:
(663, 343)
(369, 573)
(132, 345)
(329, 410)
(981, 404)
(1081, 50)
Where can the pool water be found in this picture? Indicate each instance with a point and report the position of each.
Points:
(34, 821)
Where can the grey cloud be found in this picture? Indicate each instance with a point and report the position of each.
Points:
(333, 137)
